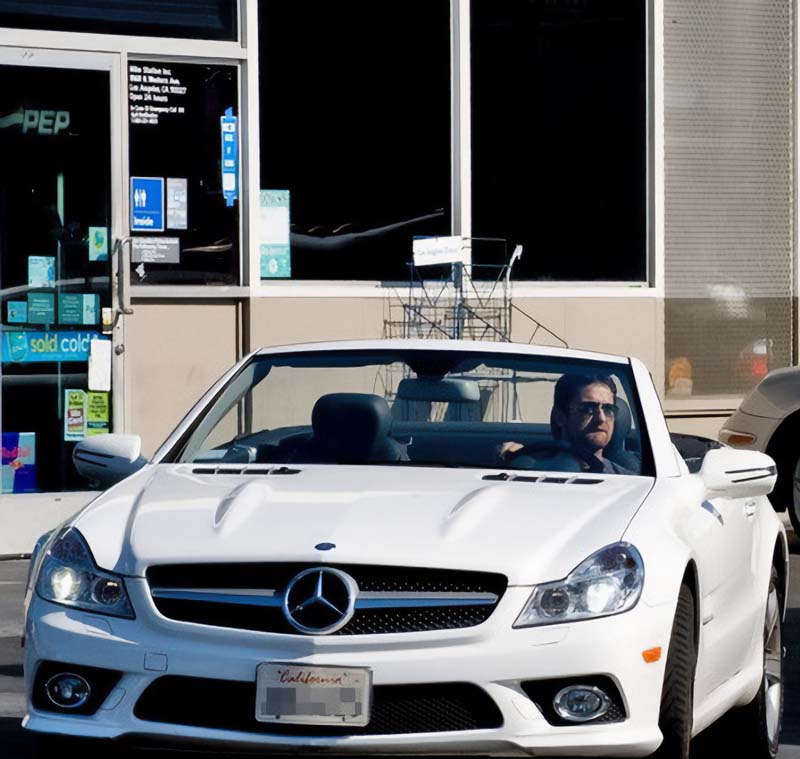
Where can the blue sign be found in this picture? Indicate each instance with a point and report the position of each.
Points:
(147, 204)
(31, 347)
(229, 130)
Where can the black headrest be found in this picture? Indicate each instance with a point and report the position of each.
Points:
(350, 426)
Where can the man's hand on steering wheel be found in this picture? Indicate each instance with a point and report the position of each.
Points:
(538, 453)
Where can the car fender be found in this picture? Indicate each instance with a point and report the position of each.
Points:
(654, 531)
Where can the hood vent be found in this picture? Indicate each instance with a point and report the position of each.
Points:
(244, 470)
(505, 477)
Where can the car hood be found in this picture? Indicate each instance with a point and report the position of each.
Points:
(531, 531)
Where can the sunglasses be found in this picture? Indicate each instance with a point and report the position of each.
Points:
(590, 408)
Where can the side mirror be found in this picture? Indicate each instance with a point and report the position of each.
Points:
(736, 473)
(105, 460)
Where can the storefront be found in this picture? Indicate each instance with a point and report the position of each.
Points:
(183, 184)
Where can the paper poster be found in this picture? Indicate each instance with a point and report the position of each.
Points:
(100, 365)
(41, 271)
(78, 308)
(98, 243)
(177, 203)
(74, 415)
(273, 234)
(17, 311)
(156, 250)
(18, 462)
(97, 414)
(434, 251)
(41, 308)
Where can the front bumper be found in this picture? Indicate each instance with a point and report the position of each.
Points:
(493, 656)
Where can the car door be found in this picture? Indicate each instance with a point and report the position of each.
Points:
(721, 532)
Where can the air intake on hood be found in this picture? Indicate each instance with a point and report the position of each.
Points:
(505, 477)
(244, 470)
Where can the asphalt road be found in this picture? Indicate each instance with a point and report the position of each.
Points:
(15, 742)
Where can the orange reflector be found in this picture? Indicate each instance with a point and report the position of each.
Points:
(652, 655)
(736, 438)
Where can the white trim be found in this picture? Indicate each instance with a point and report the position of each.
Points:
(18, 55)
(121, 43)
(195, 292)
(250, 137)
(723, 405)
(657, 187)
(465, 116)
(344, 289)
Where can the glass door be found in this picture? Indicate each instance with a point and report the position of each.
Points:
(55, 270)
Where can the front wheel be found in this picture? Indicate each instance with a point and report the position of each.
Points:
(677, 694)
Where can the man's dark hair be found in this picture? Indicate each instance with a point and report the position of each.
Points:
(569, 385)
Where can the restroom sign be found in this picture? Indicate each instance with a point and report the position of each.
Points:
(147, 204)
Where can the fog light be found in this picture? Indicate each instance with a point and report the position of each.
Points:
(581, 703)
(68, 691)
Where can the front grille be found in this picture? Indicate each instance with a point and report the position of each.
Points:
(396, 709)
(379, 582)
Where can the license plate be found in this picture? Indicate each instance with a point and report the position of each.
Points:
(300, 694)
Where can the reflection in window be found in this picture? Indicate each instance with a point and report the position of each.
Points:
(355, 123)
(175, 145)
(559, 134)
(195, 19)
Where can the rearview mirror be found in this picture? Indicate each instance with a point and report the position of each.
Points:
(105, 460)
(735, 473)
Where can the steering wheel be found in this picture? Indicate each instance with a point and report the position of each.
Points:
(568, 459)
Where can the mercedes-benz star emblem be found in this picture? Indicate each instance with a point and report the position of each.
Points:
(320, 601)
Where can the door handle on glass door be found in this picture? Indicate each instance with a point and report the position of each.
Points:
(123, 276)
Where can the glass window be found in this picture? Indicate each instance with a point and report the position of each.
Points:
(197, 19)
(426, 408)
(559, 135)
(55, 291)
(178, 122)
(355, 123)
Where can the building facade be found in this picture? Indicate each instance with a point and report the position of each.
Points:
(185, 183)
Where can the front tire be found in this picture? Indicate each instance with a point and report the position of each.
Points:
(677, 694)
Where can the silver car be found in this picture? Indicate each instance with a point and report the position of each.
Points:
(768, 420)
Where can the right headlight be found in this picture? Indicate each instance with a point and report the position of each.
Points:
(609, 582)
(69, 576)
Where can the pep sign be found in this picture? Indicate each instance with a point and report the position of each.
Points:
(28, 347)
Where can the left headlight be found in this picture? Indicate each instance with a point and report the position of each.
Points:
(69, 576)
(609, 582)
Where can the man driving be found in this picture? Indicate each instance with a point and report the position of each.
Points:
(583, 417)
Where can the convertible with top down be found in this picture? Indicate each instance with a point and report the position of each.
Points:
(415, 547)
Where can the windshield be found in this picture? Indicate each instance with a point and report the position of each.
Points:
(425, 408)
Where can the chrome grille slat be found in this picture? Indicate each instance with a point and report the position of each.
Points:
(364, 600)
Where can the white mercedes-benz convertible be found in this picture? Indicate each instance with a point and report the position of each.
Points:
(408, 547)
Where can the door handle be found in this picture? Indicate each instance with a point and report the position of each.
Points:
(123, 275)
(750, 508)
